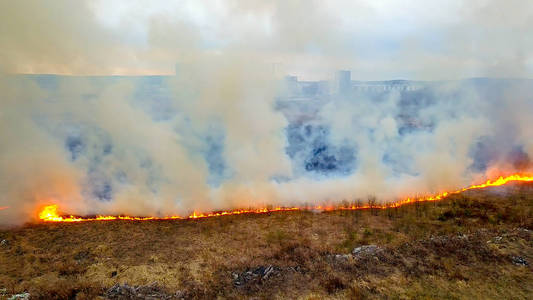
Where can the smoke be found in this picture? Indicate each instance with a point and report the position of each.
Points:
(223, 132)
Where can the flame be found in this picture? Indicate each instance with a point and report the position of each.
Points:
(50, 212)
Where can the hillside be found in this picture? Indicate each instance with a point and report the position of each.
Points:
(476, 245)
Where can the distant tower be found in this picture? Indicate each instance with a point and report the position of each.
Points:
(343, 82)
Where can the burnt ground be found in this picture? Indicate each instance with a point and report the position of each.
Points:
(478, 245)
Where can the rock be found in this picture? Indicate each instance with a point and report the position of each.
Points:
(4, 243)
(23, 296)
(255, 275)
(120, 290)
(296, 269)
(519, 261)
(522, 229)
(125, 291)
(180, 295)
(342, 257)
(366, 250)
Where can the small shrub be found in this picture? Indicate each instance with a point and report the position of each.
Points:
(277, 237)
(334, 284)
(350, 242)
(445, 216)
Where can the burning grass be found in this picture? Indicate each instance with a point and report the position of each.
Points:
(50, 213)
(462, 247)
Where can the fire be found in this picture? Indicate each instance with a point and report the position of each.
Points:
(50, 212)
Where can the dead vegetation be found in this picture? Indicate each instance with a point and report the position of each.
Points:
(477, 245)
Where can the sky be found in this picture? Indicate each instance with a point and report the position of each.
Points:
(411, 39)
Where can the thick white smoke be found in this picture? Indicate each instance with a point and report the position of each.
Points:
(214, 136)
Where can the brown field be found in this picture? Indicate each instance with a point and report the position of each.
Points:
(478, 245)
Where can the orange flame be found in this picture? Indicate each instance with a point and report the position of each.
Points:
(50, 212)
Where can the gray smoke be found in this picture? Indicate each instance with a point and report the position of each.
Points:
(228, 131)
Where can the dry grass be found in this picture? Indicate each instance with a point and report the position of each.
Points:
(460, 248)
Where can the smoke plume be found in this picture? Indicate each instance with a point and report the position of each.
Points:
(218, 126)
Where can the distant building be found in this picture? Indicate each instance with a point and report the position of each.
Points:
(343, 82)
(323, 87)
(304, 89)
(342, 87)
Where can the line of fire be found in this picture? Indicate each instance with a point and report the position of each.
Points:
(51, 213)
